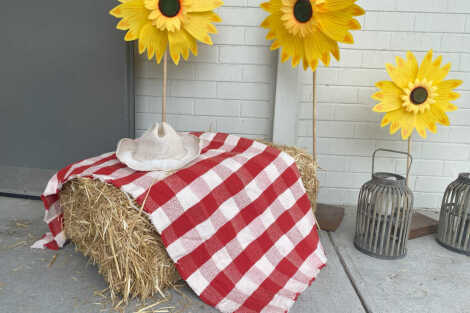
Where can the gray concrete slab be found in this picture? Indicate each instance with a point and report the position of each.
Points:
(429, 279)
(29, 285)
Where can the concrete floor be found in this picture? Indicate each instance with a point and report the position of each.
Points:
(430, 279)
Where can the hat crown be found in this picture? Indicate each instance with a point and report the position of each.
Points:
(161, 142)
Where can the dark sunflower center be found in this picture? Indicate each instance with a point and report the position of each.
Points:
(303, 11)
(419, 95)
(169, 8)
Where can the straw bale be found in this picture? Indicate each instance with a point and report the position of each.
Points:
(111, 229)
(307, 167)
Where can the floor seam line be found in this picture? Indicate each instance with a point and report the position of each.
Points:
(349, 275)
(19, 196)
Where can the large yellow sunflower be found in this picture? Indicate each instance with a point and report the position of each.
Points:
(309, 30)
(417, 97)
(159, 23)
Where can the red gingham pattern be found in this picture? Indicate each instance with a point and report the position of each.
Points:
(237, 221)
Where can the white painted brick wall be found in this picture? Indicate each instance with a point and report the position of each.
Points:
(349, 131)
(228, 87)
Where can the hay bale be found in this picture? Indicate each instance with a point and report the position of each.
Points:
(107, 226)
(307, 168)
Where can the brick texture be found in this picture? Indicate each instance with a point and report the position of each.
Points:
(349, 131)
(228, 87)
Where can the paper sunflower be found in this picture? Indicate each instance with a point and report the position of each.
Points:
(417, 97)
(309, 30)
(159, 23)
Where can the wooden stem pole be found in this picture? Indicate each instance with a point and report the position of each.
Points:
(314, 138)
(314, 122)
(408, 161)
(165, 79)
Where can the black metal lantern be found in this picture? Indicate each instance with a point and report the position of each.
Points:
(384, 212)
(454, 221)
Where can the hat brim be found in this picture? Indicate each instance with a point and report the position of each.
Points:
(127, 147)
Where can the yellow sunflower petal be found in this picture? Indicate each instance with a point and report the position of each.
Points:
(349, 39)
(151, 4)
(446, 106)
(272, 6)
(298, 51)
(198, 25)
(390, 117)
(305, 64)
(447, 95)
(425, 65)
(123, 25)
(180, 44)
(271, 35)
(276, 45)
(357, 10)
(394, 127)
(129, 8)
(405, 71)
(325, 58)
(388, 105)
(131, 36)
(429, 120)
(312, 51)
(439, 73)
(318, 46)
(411, 65)
(432, 70)
(268, 23)
(134, 18)
(449, 84)
(336, 25)
(354, 24)
(313, 40)
(440, 116)
(388, 88)
(283, 38)
(333, 5)
(445, 91)
(407, 123)
(154, 41)
(116, 12)
(335, 51)
(204, 5)
(421, 126)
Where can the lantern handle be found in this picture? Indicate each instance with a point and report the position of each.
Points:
(392, 151)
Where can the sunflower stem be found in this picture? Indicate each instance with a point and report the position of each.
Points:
(314, 122)
(408, 162)
(314, 138)
(165, 79)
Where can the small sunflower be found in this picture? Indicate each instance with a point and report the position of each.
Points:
(417, 97)
(309, 30)
(159, 23)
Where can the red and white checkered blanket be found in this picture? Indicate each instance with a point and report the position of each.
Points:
(237, 221)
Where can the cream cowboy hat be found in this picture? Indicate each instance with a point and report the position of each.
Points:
(160, 148)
